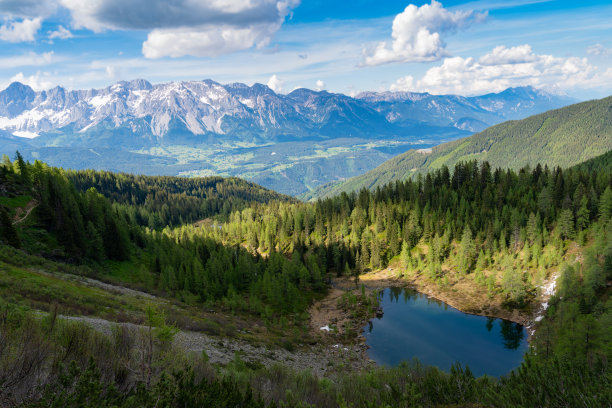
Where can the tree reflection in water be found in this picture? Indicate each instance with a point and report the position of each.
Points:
(512, 334)
(489, 324)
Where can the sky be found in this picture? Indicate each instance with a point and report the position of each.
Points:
(449, 47)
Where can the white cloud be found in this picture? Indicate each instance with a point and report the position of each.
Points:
(404, 84)
(37, 82)
(208, 41)
(513, 55)
(61, 33)
(503, 68)
(29, 59)
(599, 50)
(20, 31)
(417, 34)
(187, 27)
(275, 84)
(320, 85)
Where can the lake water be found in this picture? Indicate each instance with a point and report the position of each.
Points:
(437, 334)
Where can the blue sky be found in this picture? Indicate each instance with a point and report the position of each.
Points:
(444, 47)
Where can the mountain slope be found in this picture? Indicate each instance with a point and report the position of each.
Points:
(562, 137)
(291, 143)
(474, 113)
(601, 163)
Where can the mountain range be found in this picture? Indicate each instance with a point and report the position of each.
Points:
(562, 137)
(292, 143)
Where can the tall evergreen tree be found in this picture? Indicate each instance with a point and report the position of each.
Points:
(8, 233)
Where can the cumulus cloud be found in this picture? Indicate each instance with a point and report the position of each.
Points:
(187, 27)
(513, 55)
(404, 84)
(320, 85)
(502, 68)
(37, 82)
(417, 34)
(275, 83)
(599, 50)
(61, 33)
(20, 31)
(207, 41)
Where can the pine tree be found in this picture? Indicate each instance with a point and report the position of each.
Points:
(466, 251)
(512, 285)
(21, 168)
(393, 238)
(605, 204)
(405, 257)
(375, 259)
(583, 215)
(8, 233)
(566, 223)
(365, 253)
(95, 244)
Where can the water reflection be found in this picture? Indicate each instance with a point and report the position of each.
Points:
(490, 321)
(512, 333)
(415, 325)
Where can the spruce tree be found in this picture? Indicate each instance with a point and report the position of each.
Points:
(8, 233)
(466, 251)
(605, 205)
(22, 169)
(405, 257)
(582, 215)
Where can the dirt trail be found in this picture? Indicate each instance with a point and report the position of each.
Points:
(326, 312)
(28, 209)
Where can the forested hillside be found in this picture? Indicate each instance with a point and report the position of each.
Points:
(160, 201)
(562, 137)
(497, 231)
(84, 227)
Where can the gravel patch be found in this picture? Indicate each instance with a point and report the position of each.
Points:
(319, 359)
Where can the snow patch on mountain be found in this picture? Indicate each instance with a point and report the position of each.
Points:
(25, 134)
(151, 112)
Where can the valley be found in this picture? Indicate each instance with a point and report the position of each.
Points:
(291, 143)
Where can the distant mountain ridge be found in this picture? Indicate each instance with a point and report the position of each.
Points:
(473, 113)
(207, 107)
(231, 123)
(562, 137)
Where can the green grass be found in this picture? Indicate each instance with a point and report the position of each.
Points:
(129, 272)
(39, 284)
(15, 202)
(40, 290)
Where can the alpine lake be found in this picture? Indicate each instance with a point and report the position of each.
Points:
(416, 326)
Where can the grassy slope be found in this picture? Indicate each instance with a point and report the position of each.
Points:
(562, 137)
